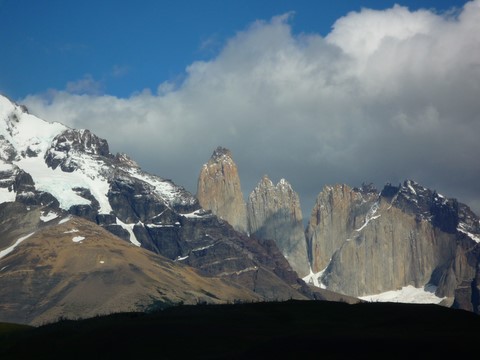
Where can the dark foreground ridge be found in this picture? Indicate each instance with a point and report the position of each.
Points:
(289, 329)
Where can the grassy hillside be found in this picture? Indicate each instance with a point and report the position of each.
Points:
(261, 330)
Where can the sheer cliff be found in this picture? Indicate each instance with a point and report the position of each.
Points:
(365, 242)
(274, 213)
(219, 189)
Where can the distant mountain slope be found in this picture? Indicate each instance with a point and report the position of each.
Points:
(72, 268)
(48, 170)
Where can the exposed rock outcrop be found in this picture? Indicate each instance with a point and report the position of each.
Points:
(219, 189)
(365, 242)
(337, 211)
(274, 212)
(79, 141)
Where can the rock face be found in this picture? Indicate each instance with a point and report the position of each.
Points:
(219, 189)
(274, 212)
(337, 211)
(48, 171)
(365, 242)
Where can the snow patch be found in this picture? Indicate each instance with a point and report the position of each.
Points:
(314, 278)
(71, 231)
(11, 248)
(49, 216)
(474, 237)
(412, 190)
(408, 294)
(64, 182)
(129, 228)
(195, 215)
(370, 216)
(77, 239)
(204, 247)
(159, 225)
(181, 258)
(6, 195)
(64, 220)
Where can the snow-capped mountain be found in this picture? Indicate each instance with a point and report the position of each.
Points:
(52, 172)
(75, 166)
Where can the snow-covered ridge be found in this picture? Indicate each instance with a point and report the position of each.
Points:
(72, 165)
(463, 229)
(170, 193)
(31, 138)
(25, 132)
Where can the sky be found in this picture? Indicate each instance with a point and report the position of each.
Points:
(315, 92)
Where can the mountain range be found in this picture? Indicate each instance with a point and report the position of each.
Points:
(86, 232)
(404, 243)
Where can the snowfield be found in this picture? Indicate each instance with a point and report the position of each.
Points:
(407, 294)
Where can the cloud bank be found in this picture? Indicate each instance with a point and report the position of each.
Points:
(386, 95)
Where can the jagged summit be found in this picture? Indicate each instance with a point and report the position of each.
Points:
(220, 153)
(219, 189)
(274, 212)
(363, 242)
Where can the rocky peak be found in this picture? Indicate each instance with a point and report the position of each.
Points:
(220, 153)
(7, 151)
(71, 141)
(125, 160)
(219, 189)
(424, 204)
(274, 213)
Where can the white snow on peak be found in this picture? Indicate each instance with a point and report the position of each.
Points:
(407, 294)
(11, 248)
(164, 189)
(27, 132)
(410, 187)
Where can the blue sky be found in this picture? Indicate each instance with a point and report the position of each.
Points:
(127, 46)
(312, 91)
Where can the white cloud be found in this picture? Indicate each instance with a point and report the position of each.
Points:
(86, 85)
(385, 96)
